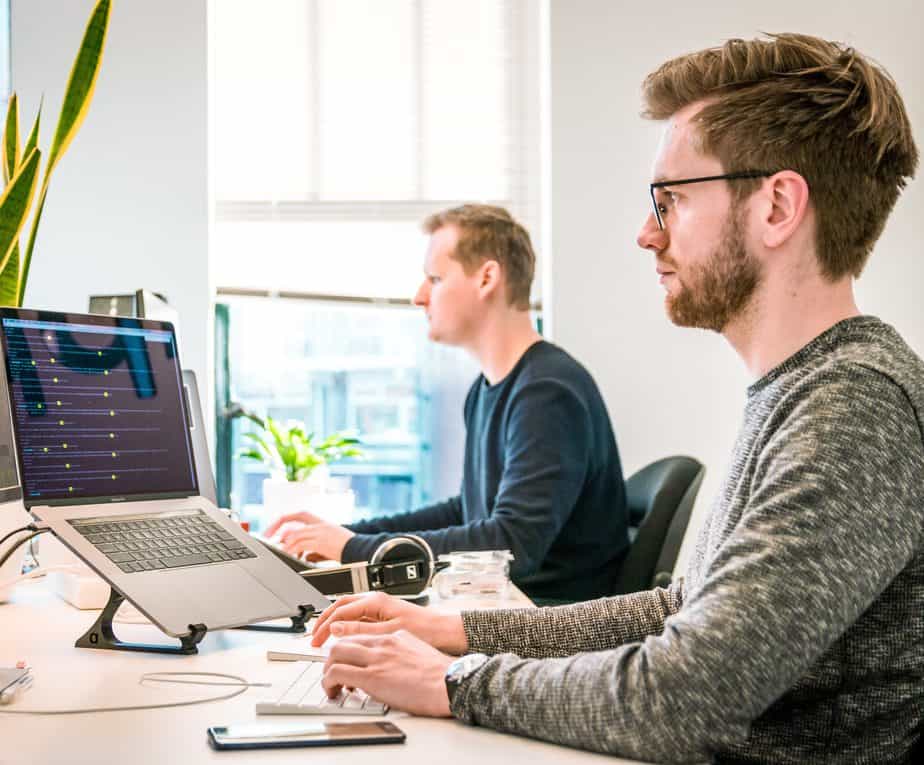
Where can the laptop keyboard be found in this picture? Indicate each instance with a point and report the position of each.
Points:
(306, 696)
(158, 541)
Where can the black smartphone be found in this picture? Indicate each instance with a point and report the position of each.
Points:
(268, 735)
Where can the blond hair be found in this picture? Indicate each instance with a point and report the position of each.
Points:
(486, 233)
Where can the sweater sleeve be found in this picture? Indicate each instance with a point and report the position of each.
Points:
(565, 630)
(370, 534)
(836, 511)
(545, 463)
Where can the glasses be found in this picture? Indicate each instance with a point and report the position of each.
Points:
(726, 177)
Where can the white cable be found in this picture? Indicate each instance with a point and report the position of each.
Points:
(160, 677)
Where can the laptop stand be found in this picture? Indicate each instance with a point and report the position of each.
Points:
(101, 635)
(298, 623)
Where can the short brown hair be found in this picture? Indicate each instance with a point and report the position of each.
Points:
(487, 232)
(794, 102)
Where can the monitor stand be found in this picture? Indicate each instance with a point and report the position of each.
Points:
(101, 634)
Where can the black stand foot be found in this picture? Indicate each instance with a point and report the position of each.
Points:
(100, 635)
(298, 623)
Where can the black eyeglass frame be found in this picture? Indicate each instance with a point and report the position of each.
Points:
(744, 174)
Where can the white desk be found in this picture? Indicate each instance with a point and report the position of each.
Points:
(38, 627)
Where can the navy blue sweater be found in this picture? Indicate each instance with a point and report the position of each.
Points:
(542, 478)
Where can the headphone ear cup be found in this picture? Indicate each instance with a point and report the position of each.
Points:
(418, 556)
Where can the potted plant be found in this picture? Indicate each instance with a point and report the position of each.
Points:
(21, 166)
(300, 479)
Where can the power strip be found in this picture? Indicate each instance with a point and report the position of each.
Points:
(81, 588)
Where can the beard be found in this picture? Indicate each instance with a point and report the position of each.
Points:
(714, 293)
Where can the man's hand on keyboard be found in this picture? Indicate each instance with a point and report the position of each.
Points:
(380, 614)
(399, 669)
(306, 533)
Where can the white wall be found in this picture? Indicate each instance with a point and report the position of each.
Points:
(127, 206)
(673, 390)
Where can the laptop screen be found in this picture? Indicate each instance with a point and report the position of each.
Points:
(98, 409)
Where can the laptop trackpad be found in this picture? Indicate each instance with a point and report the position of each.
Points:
(231, 596)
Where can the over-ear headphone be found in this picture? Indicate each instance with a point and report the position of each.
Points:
(402, 566)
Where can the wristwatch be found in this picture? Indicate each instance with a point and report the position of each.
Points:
(461, 669)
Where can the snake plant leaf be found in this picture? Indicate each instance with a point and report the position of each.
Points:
(77, 97)
(14, 208)
(82, 82)
(9, 279)
(33, 139)
(11, 140)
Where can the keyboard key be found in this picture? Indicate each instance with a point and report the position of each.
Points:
(305, 695)
(185, 560)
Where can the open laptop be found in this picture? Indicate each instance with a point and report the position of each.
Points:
(105, 459)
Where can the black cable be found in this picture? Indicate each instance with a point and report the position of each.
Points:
(30, 527)
(19, 543)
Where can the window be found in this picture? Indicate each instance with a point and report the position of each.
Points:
(339, 125)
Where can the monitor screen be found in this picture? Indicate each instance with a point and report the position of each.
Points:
(98, 408)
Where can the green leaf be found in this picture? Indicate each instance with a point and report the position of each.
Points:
(14, 209)
(251, 454)
(273, 428)
(82, 82)
(9, 279)
(260, 442)
(33, 135)
(30, 245)
(11, 140)
(77, 97)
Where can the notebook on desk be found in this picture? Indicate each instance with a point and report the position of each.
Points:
(105, 459)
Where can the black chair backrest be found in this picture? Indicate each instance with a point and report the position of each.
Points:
(660, 497)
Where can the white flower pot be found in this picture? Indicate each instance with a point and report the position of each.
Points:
(281, 497)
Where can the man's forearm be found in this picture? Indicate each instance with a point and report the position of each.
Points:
(565, 630)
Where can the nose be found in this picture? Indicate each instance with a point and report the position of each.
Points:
(422, 297)
(651, 237)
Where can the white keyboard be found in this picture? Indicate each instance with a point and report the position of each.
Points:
(306, 696)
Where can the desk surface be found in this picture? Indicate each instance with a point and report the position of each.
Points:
(38, 627)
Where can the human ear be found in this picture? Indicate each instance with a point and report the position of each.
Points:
(489, 277)
(785, 197)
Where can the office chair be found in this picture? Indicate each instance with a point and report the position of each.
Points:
(660, 497)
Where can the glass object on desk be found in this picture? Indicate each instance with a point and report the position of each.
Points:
(482, 574)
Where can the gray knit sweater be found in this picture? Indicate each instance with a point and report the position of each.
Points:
(797, 633)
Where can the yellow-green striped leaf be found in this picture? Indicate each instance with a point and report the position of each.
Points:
(80, 86)
(14, 208)
(32, 142)
(9, 279)
(11, 140)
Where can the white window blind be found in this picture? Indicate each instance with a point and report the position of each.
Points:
(340, 124)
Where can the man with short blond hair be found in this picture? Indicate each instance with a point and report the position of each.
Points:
(797, 633)
(542, 476)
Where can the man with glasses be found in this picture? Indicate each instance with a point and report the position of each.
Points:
(797, 633)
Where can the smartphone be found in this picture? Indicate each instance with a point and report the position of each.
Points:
(281, 735)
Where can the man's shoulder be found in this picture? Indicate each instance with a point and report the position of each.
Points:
(873, 357)
(870, 376)
(546, 361)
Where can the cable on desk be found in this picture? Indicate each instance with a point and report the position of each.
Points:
(30, 527)
(19, 542)
(158, 677)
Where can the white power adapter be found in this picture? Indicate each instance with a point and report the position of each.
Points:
(80, 587)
